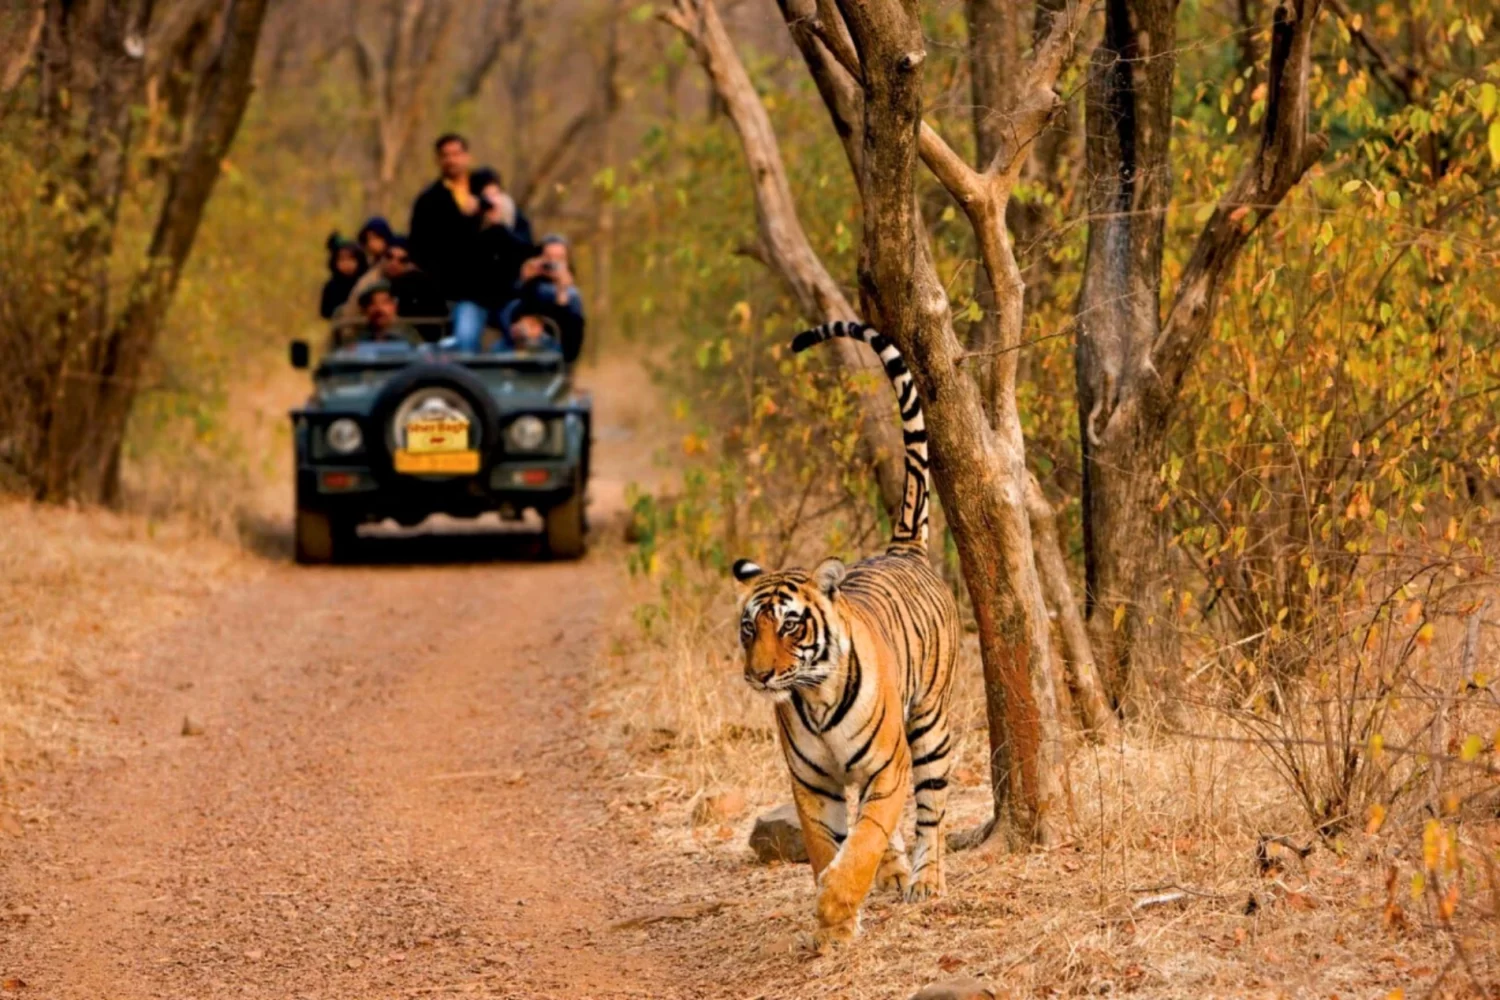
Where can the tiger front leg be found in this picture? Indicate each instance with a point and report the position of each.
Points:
(842, 888)
(825, 821)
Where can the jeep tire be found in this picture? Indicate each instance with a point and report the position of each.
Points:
(565, 528)
(320, 538)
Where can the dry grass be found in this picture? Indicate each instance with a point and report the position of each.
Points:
(75, 587)
(1151, 816)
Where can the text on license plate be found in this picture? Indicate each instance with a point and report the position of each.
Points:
(456, 463)
(437, 435)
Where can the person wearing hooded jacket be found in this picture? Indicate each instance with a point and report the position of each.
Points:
(346, 264)
(374, 236)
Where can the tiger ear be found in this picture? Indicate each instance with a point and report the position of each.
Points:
(828, 576)
(745, 570)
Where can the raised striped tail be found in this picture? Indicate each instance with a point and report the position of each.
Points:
(911, 527)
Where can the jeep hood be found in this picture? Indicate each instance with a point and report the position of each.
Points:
(355, 391)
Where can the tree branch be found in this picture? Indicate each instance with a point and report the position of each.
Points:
(24, 48)
(1397, 75)
(556, 153)
(1286, 151)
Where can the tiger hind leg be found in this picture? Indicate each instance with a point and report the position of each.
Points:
(931, 749)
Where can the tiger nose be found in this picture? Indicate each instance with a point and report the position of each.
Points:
(758, 677)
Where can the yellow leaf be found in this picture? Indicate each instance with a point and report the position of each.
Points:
(1495, 141)
(1488, 98)
(1424, 635)
(1472, 748)
(1432, 844)
(1119, 616)
(1376, 818)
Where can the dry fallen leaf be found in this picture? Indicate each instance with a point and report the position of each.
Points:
(950, 962)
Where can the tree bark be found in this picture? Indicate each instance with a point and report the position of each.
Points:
(782, 240)
(979, 467)
(20, 43)
(1082, 675)
(1130, 364)
(131, 340)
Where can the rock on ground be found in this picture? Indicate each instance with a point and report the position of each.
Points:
(778, 836)
(955, 989)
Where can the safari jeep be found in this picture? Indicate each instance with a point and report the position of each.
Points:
(402, 432)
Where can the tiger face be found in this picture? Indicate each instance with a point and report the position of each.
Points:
(789, 627)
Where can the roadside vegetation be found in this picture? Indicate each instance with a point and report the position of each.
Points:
(1301, 677)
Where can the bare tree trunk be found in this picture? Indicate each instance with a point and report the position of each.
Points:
(397, 83)
(980, 469)
(782, 241)
(866, 60)
(1082, 675)
(604, 230)
(106, 388)
(1130, 365)
(994, 55)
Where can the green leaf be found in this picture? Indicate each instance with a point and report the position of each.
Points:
(1495, 142)
(1351, 186)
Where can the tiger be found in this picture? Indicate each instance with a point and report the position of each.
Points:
(858, 663)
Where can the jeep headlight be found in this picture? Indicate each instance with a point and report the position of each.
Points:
(526, 433)
(343, 436)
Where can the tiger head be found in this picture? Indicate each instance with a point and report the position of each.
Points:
(791, 626)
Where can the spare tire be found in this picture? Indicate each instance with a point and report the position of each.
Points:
(450, 379)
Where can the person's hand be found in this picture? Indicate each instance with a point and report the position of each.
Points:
(532, 268)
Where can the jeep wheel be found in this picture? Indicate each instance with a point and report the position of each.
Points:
(320, 538)
(565, 528)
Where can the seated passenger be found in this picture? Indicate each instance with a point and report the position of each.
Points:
(374, 236)
(382, 321)
(547, 289)
(526, 332)
(416, 294)
(346, 262)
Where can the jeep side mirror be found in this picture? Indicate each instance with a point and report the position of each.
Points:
(301, 355)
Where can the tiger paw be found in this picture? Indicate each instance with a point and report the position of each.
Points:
(826, 939)
(928, 884)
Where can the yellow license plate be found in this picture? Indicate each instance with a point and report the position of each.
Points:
(437, 435)
(454, 463)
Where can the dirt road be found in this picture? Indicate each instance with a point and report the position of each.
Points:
(389, 795)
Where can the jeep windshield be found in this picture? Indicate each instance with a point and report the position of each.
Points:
(374, 361)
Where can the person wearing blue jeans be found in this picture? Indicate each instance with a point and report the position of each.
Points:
(467, 320)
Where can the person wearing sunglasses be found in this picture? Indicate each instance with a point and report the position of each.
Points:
(416, 294)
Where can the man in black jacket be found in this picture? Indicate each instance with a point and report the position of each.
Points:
(444, 235)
